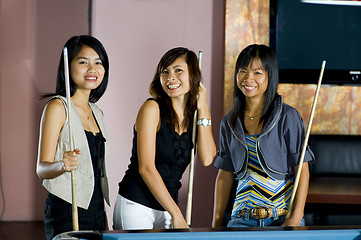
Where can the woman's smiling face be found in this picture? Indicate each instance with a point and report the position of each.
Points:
(253, 80)
(175, 78)
(87, 70)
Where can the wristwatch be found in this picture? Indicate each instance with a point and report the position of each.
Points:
(204, 122)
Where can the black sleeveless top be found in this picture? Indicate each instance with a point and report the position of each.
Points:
(172, 157)
(59, 207)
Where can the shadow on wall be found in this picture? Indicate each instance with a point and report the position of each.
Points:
(30, 48)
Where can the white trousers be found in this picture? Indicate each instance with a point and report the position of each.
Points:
(129, 215)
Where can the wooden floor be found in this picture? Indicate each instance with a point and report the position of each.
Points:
(22, 230)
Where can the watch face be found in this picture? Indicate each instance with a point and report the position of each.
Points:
(204, 122)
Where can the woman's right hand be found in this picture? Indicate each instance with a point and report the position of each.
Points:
(223, 188)
(70, 160)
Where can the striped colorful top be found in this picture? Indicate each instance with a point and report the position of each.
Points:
(257, 189)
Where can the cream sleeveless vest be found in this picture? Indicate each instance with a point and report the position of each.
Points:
(61, 186)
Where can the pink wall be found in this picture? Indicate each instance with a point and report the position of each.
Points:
(136, 33)
(32, 33)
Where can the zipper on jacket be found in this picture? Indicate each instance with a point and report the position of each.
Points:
(244, 145)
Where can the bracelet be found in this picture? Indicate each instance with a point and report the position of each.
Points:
(204, 122)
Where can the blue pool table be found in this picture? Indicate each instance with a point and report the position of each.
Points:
(269, 233)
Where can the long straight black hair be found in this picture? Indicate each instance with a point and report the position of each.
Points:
(74, 46)
(269, 63)
(164, 101)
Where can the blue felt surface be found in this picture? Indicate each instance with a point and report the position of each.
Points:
(353, 234)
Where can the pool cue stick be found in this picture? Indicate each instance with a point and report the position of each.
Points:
(200, 59)
(73, 179)
(298, 174)
(191, 174)
(191, 164)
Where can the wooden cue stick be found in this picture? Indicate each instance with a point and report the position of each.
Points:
(191, 164)
(191, 174)
(73, 179)
(298, 174)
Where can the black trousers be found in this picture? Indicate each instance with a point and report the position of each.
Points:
(58, 220)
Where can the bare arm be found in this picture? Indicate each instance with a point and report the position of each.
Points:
(222, 192)
(300, 198)
(146, 126)
(52, 124)
(206, 148)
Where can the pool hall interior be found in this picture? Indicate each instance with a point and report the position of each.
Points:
(135, 33)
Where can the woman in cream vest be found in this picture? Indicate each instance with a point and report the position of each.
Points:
(88, 70)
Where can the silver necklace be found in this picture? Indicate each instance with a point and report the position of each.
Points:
(250, 116)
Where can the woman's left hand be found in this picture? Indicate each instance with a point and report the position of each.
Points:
(292, 222)
(202, 97)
